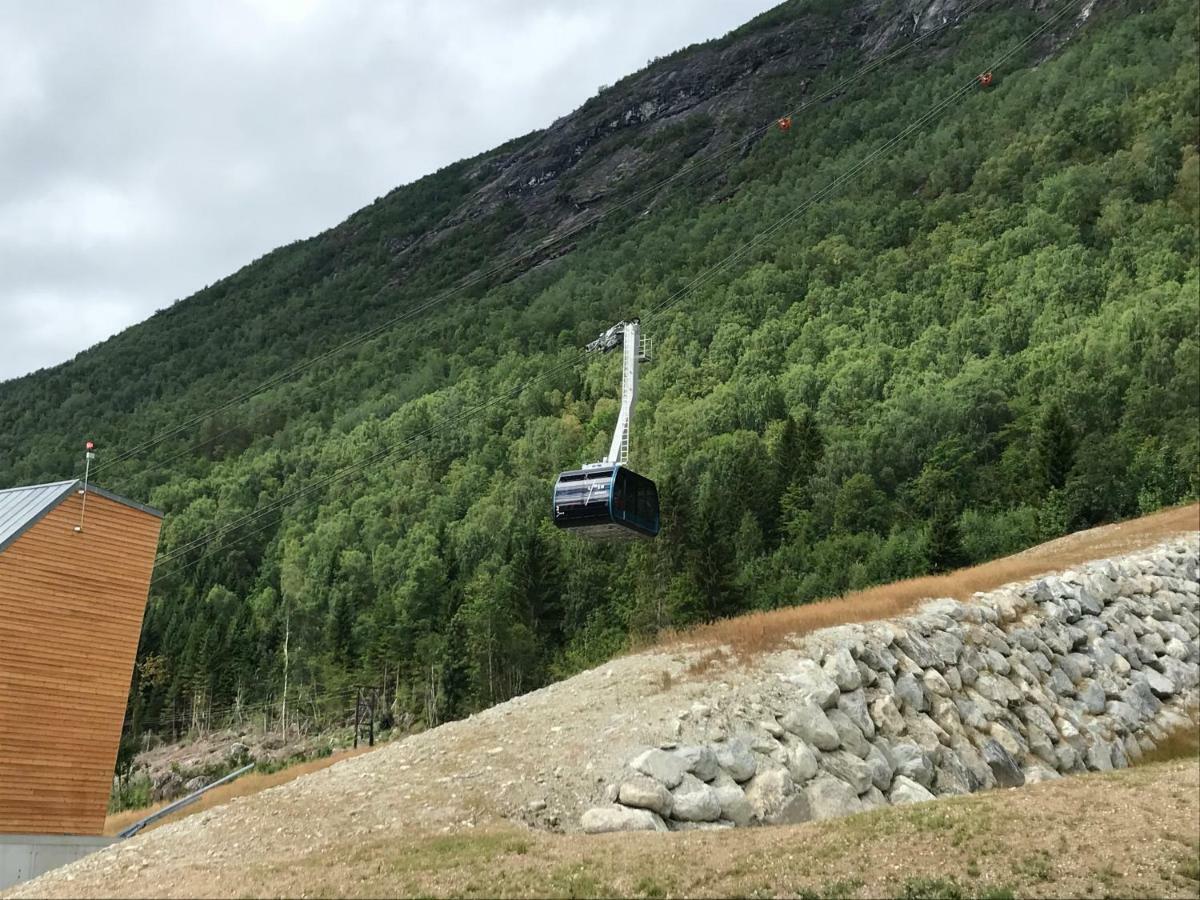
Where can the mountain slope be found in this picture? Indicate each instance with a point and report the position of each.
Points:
(987, 337)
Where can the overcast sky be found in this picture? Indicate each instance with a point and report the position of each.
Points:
(149, 148)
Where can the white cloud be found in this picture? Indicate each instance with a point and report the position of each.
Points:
(148, 149)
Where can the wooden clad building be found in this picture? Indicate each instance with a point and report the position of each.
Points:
(71, 606)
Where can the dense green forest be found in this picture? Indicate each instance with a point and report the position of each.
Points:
(986, 338)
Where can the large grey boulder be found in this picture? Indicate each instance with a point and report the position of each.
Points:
(1004, 767)
(840, 666)
(913, 762)
(601, 819)
(644, 792)
(1036, 773)
(801, 763)
(905, 790)
(948, 647)
(848, 733)
(848, 768)
(910, 692)
(695, 801)
(918, 650)
(661, 766)
(829, 798)
(886, 716)
(881, 768)
(736, 758)
(1092, 696)
(809, 723)
(814, 684)
(734, 805)
(1158, 683)
(700, 760)
(951, 776)
(854, 705)
(774, 800)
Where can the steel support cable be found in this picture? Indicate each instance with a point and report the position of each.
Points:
(701, 279)
(685, 170)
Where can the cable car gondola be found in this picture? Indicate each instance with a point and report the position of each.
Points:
(607, 500)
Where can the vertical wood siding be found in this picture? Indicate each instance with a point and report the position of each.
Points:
(71, 610)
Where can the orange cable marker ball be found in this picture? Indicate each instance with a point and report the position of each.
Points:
(985, 79)
(785, 123)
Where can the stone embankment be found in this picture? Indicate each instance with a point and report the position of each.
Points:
(1078, 672)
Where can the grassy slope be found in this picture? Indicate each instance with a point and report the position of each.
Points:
(1119, 834)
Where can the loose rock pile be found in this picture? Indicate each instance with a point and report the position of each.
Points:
(1083, 671)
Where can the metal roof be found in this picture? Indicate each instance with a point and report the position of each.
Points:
(21, 507)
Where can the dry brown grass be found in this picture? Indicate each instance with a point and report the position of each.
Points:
(761, 632)
(248, 784)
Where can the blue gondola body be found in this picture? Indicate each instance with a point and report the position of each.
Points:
(607, 502)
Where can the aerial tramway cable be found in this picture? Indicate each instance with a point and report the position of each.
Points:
(705, 276)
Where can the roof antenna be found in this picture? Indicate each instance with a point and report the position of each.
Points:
(89, 453)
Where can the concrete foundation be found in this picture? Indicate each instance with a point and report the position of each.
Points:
(25, 856)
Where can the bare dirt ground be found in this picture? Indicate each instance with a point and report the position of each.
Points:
(448, 811)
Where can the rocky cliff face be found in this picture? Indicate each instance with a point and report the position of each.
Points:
(692, 106)
(1080, 672)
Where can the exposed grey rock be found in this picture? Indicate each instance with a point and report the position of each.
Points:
(913, 762)
(981, 774)
(925, 732)
(886, 716)
(918, 650)
(695, 801)
(661, 766)
(839, 666)
(1178, 649)
(1060, 683)
(1092, 696)
(970, 714)
(1007, 739)
(945, 713)
(873, 798)
(809, 723)
(848, 734)
(1004, 767)
(910, 692)
(802, 763)
(951, 775)
(881, 768)
(1141, 697)
(854, 705)
(848, 768)
(601, 819)
(773, 798)
(736, 758)
(734, 805)
(905, 790)
(1159, 684)
(813, 684)
(1098, 756)
(935, 683)
(700, 760)
(644, 792)
(1037, 773)
(829, 797)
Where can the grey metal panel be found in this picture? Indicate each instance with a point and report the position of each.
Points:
(23, 506)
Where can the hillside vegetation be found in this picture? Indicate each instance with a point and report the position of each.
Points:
(985, 339)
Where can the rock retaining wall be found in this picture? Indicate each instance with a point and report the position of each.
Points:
(1086, 670)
